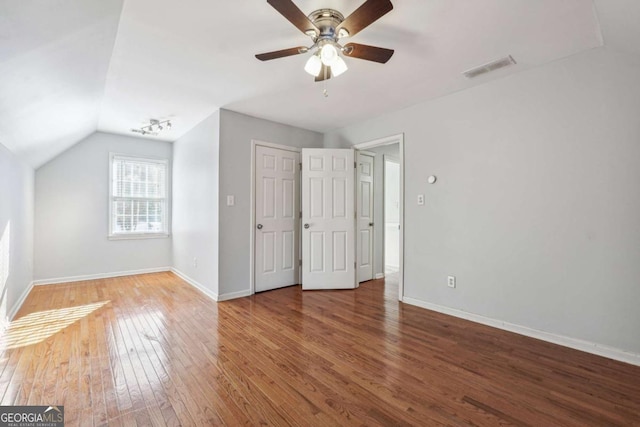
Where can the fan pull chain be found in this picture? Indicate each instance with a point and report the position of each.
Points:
(324, 82)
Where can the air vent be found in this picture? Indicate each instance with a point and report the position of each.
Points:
(488, 67)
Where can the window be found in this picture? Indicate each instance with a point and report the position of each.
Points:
(139, 205)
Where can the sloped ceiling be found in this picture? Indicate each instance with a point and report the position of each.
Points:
(54, 57)
(620, 22)
(70, 67)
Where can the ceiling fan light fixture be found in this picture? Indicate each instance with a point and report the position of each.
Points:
(328, 54)
(313, 65)
(339, 67)
(326, 27)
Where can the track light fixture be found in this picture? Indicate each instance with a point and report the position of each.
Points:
(154, 127)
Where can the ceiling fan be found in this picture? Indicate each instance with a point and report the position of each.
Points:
(326, 27)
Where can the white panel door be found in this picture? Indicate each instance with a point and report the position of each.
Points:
(364, 210)
(328, 234)
(277, 199)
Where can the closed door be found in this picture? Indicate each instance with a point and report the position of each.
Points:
(277, 221)
(365, 216)
(328, 233)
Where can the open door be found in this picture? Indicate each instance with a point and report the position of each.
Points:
(364, 223)
(277, 204)
(328, 215)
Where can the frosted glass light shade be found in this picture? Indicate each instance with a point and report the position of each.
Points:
(328, 54)
(338, 67)
(313, 65)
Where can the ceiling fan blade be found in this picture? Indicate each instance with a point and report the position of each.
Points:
(370, 53)
(281, 53)
(365, 15)
(325, 73)
(294, 15)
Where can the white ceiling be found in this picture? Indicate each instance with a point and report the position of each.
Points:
(69, 67)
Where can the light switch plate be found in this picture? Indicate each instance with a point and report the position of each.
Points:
(231, 200)
(451, 281)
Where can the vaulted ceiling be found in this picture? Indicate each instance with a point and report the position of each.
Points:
(71, 67)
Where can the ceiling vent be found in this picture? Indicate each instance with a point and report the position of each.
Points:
(489, 67)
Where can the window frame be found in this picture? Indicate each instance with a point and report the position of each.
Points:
(112, 199)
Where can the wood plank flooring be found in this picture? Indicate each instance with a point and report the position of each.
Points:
(150, 350)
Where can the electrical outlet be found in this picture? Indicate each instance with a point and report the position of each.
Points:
(420, 199)
(451, 281)
(195, 262)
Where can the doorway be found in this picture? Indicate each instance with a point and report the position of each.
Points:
(388, 218)
(391, 215)
(329, 211)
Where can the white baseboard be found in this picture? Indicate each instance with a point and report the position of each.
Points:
(379, 276)
(577, 344)
(16, 307)
(234, 295)
(208, 292)
(70, 279)
(195, 284)
(189, 280)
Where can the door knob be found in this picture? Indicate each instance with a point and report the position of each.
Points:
(306, 226)
(370, 224)
(259, 226)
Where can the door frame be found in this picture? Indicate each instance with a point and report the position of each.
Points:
(389, 140)
(255, 143)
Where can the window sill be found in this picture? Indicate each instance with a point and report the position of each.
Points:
(137, 236)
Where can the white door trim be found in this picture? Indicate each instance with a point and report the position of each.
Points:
(388, 140)
(252, 196)
(368, 153)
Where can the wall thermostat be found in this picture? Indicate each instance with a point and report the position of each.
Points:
(432, 179)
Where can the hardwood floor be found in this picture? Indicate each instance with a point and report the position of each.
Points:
(150, 350)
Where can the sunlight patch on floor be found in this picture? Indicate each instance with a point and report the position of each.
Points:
(37, 327)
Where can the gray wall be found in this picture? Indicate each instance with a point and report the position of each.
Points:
(16, 231)
(236, 132)
(195, 204)
(72, 213)
(536, 208)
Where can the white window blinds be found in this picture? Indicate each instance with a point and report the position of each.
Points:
(139, 196)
